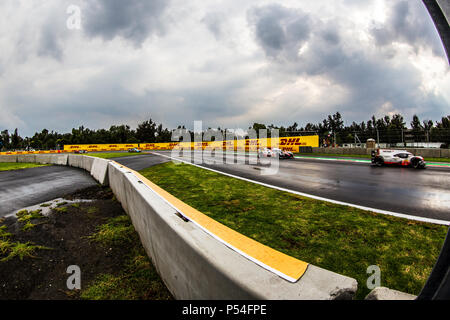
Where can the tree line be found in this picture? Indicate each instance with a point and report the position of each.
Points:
(390, 129)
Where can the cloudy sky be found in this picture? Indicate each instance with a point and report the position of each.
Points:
(228, 63)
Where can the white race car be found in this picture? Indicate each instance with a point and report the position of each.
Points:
(265, 152)
(404, 158)
(283, 154)
(275, 152)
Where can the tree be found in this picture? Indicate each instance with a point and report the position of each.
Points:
(146, 131)
(415, 123)
(397, 122)
(258, 126)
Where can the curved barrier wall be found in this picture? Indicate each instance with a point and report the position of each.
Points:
(192, 261)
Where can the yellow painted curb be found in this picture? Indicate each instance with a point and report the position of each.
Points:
(279, 262)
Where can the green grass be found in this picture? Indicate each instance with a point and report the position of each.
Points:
(21, 250)
(60, 209)
(10, 250)
(8, 166)
(26, 216)
(437, 159)
(364, 156)
(118, 230)
(338, 238)
(138, 279)
(3, 233)
(92, 210)
(60, 204)
(108, 155)
(333, 155)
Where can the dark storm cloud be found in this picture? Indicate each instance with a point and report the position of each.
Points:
(306, 60)
(214, 23)
(331, 36)
(279, 30)
(370, 79)
(405, 25)
(50, 42)
(133, 20)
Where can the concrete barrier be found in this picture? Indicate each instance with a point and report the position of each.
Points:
(87, 163)
(383, 293)
(75, 160)
(192, 263)
(44, 158)
(99, 170)
(60, 160)
(445, 153)
(26, 158)
(195, 265)
(428, 153)
(116, 179)
(8, 158)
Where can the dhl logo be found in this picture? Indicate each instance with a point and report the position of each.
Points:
(252, 142)
(201, 144)
(246, 144)
(291, 142)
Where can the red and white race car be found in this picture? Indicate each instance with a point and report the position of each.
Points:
(275, 152)
(382, 157)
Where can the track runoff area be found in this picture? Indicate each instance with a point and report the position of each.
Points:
(345, 181)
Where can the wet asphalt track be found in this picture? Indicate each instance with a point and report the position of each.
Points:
(424, 193)
(23, 188)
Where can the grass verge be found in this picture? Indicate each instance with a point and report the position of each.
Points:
(109, 155)
(8, 166)
(335, 237)
(138, 278)
(10, 250)
(28, 217)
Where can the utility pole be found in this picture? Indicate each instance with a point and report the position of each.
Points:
(378, 138)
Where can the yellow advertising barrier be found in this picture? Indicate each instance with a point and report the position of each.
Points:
(285, 143)
(101, 147)
(13, 153)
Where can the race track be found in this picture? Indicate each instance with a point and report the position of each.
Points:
(423, 193)
(27, 187)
